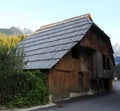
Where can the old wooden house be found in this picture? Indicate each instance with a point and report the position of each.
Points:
(75, 53)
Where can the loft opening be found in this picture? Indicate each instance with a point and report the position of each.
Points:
(75, 53)
(106, 62)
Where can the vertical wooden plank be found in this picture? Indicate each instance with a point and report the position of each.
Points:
(110, 85)
(86, 80)
(99, 65)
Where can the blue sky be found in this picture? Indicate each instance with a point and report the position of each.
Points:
(35, 13)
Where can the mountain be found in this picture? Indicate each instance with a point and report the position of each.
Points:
(15, 31)
(116, 49)
(10, 31)
(25, 31)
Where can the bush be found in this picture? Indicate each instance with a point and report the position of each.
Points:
(19, 88)
(23, 89)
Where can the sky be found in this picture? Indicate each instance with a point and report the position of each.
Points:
(34, 13)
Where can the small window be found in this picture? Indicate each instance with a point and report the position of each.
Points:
(106, 62)
(80, 79)
(75, 54)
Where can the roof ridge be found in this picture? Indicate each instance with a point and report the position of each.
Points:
(64, 21)
(74, 18)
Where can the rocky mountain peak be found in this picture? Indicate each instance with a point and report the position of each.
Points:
(15, 31)
(116, 49)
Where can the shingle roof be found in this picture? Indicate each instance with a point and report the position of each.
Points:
(51, 42)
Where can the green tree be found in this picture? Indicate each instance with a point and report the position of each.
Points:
(19, 88)
(11, 57)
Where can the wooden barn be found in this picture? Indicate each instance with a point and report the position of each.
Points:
(75, 53)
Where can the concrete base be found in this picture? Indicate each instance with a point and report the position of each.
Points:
(76, 94)
(73, 94)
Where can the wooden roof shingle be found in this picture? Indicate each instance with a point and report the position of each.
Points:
(50, 43)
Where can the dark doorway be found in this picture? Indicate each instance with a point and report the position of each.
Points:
(106, 84)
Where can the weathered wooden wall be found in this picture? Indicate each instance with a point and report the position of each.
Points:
(63, 78)
(75, 74)
(101, 46)
(96, 42)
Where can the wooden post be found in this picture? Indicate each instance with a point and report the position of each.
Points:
(110, 85)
